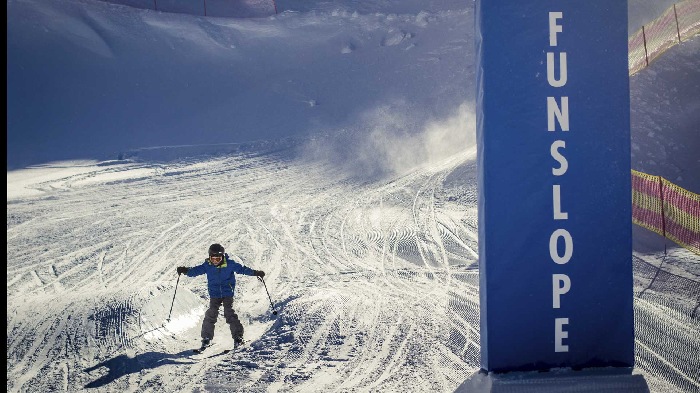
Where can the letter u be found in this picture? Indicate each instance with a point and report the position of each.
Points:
(562, 70)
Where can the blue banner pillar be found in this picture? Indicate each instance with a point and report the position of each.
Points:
(555, 228)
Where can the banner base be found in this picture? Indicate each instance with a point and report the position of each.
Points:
(607, 380)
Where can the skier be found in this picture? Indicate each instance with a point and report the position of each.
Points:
(221, 282)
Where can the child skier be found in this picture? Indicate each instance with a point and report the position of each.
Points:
(221, 282)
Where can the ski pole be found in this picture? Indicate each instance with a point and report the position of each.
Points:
(268, 296)
(173, 303)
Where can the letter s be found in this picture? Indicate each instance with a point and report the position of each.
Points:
(563, 163)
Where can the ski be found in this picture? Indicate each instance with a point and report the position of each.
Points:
(201, 349)
(225, 351)
(236, 348)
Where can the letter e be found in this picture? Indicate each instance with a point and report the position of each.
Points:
(560, 335)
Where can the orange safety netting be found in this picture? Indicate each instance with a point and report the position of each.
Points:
(678, 23)
(666, 209)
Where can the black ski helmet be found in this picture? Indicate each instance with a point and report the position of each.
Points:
(216, 249)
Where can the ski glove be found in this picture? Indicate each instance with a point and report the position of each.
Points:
(259, 273)
(182, 270)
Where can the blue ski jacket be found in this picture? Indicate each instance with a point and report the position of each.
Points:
(221, 280)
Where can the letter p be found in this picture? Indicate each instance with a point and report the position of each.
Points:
(560, 285)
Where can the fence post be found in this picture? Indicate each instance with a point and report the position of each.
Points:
(205, 7)
(155, 5)
(678, 29)
(663, 207)
(663, 211)
(646, 54)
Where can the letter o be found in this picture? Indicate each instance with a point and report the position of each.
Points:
(568, 246)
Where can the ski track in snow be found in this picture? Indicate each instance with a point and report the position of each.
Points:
(376, 283)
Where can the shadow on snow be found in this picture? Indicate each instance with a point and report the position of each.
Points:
(123, 365)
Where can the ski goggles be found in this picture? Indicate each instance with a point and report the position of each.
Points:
(216, 258)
